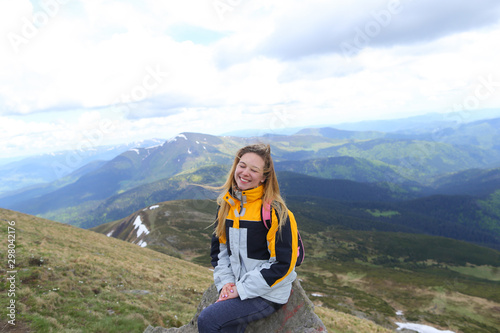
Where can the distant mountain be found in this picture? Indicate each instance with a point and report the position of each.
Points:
(333, 133)
(345, 167)
(482, 133)
(132, 168)
(46, 168)
(184, 153)
(426, 123)
(337, 189)
(474, 182)
(417, 160)
(9, 199)
(183, 186)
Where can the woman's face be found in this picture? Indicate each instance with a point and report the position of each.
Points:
(249, 171)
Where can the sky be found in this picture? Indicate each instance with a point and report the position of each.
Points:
(117, 71)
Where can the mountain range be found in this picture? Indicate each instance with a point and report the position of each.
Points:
(444, 182)
(39, 170)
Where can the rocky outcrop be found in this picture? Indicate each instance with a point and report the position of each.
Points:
(297, 316)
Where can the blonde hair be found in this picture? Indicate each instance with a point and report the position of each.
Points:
(271, 195)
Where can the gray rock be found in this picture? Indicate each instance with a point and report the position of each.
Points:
(297, 316)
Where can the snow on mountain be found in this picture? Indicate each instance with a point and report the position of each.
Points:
(141, 228)
(180, 136)
(420, 328)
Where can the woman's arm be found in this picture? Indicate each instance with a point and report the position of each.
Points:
(223, 274)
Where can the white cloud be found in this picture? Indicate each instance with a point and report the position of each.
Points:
(180, 66)
(319, 27)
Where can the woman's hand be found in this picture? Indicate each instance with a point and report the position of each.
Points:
(227, 292)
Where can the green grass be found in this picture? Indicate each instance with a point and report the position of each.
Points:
(78, 281)
(74, 280)
(377, 273)
(378, 213)
(482, 272)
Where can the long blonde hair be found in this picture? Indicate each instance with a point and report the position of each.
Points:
(271, 188)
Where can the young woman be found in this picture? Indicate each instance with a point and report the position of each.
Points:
(253, 267)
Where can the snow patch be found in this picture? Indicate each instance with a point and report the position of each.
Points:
(317, 295)
(180, 136)
(141, 228)
(149, 153)
(142, 243)
(134, 149)
(419, 328)
(399, 313)
(154, 207)
(197, 142)
(110, 233)
(189, 151)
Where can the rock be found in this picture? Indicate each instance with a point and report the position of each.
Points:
(297, 316)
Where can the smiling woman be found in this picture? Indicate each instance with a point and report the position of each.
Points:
(254, 266)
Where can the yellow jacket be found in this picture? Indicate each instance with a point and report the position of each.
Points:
(259, 261)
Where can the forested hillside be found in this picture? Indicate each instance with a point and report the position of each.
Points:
(411, 181)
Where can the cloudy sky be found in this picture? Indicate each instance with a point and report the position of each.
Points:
(123, 70)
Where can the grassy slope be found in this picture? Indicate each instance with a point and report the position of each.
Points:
(431, 279)
(75, 280)
(367, 273)
(69, 278)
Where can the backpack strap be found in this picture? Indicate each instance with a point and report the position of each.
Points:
(266, 215)
(266, 219)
